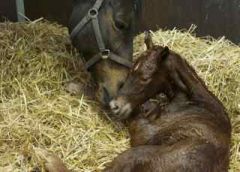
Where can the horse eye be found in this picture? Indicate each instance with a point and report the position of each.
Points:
(121, 25)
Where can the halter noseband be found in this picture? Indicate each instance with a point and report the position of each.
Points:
(104, 52)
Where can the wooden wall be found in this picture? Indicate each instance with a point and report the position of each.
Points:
(8, 10)
(213, 17)
(54, 10)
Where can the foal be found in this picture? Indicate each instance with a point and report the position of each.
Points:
(189, 134)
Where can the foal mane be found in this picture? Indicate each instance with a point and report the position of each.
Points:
(196, 87)
(191, 74)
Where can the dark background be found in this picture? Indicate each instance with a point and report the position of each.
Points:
(8, 10)
(213, 17)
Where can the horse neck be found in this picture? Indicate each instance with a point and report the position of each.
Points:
(195, 91)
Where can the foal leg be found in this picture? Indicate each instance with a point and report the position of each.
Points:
(182, 157)
(136, 159)
(52, 162)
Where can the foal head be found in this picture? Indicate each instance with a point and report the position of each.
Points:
(154, 72)
(149, 76)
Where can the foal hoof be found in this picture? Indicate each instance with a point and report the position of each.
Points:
(74, 88)
(52, 162)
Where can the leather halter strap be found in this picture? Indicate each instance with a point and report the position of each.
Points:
(104, 52)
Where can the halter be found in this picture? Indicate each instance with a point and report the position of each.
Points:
(104, 52)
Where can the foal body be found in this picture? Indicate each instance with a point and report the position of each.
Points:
(189, 134)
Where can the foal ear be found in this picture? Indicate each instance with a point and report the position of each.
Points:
(148, 40)
(164, 53)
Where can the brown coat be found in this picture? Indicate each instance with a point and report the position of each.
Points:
(189, 134)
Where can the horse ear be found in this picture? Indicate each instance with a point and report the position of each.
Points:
(148, 40)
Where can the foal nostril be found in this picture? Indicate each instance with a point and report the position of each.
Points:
(114, 106)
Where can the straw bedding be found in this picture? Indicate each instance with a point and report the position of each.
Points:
(36, 111)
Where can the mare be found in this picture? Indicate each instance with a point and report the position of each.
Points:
(103, 31)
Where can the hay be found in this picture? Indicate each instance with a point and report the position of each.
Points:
(35, 109)
(37, 112)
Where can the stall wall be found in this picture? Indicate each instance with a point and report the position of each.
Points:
(213, 17)
(8, 10)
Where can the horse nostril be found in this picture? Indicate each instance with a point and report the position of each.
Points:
(120, 85)
(106, 96)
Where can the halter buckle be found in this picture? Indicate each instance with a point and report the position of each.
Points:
(105, 54)
(93, 13)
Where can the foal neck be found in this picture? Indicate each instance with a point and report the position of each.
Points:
(188, 86)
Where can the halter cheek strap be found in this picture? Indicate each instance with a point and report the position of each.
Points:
(104, 52)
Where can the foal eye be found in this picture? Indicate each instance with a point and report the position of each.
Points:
(145, 80)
